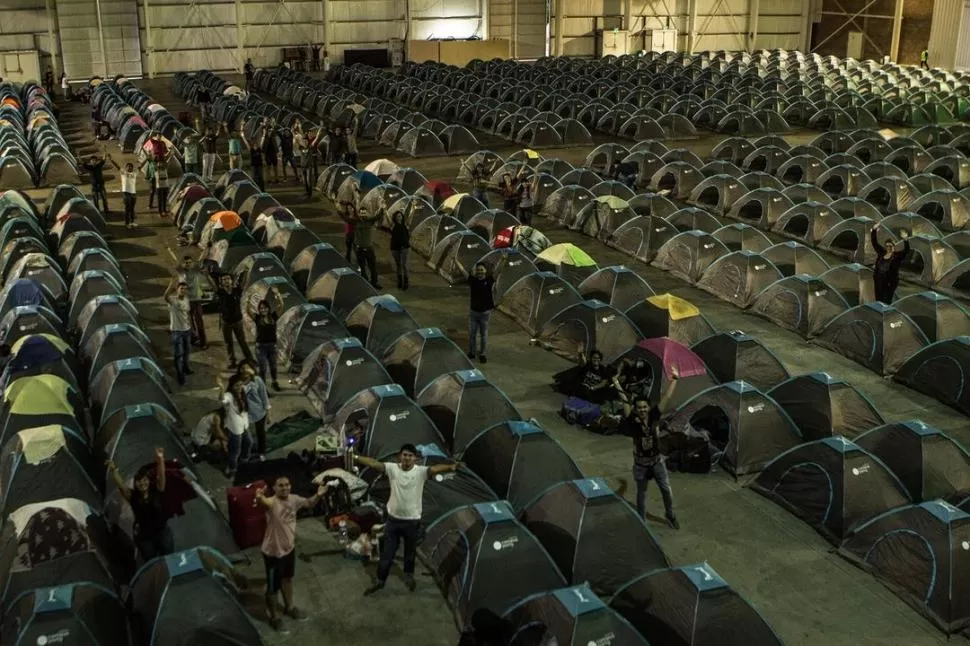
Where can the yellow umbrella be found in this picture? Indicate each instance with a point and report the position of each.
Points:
(566, 253)
(613, 202)
(452, 202)
(39, 395)
(677, 308)
(55, 341)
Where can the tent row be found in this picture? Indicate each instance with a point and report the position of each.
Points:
(35, 152)
(83, 386)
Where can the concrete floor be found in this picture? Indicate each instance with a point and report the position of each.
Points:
(807, 593)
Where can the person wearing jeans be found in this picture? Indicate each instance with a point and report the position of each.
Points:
(128, 191)
(209, 154)
(481, 304)
(231, 317)
(257, 404)
(265, 319)
(177, 297)
(400, 250)
(404, 509)
(364, 247)
(233, 397)
(642, 422)
(195, 279)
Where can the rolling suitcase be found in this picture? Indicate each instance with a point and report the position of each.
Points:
(579, 411)
(246, 518)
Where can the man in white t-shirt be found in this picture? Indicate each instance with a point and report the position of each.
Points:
(407, 480)
(177, 298)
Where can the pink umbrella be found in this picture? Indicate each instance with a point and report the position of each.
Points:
(673, 354)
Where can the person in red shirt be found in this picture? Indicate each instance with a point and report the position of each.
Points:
(279, 546)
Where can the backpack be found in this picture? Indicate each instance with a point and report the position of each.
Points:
(337, 500)
(579, 411)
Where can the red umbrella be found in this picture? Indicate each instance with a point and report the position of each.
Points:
(674, 354)
(505, 238)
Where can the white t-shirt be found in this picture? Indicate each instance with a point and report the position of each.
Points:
(128, 182)
(407, 491)
(236, 422)
(178, 314)
(202, 433)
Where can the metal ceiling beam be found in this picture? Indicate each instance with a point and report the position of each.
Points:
(850, 21)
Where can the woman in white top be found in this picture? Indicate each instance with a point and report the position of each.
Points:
(209, 439)
(65, 87)
(233, 399)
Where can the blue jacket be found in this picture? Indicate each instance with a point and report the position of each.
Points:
(257, 399)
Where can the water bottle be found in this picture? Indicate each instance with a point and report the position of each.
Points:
(344, 537)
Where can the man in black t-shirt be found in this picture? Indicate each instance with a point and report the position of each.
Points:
(203, 99)
(481, 304)
(250, 72)
(95, 168)
(231, 317)
(642, 423)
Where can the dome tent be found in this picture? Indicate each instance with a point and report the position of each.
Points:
(642, 236)
(832, 484)
(735, 356)
(574, 519)
(739, 277)
(875, 335)
(78, 608)
(853, 281)
(800, 303)
(689, 254)
(940, 371)
(336, 371)
(928, 462)
(938, 317)
(742, 236)
(536, 298)
(419, 357)
(302, 329)
(824, 406)
(591, 323)
(617, 286)
(757, 429)
(378, 321)
(691, 605)
(340, 290)
(912, 551)
(666, 315)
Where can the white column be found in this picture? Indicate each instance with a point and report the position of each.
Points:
(149, 39)
(561, 26)
(897, 29)
(240, 36)
(754, 9)
(691, 25)
(52, 40)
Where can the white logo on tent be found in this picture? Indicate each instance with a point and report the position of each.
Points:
(965, 545)
(507, 544)
(757, 408)
(31, 326)
(399, 416)
(705, 572)
(515, 263)
(354, 362)
(54, 638)
(821, 292)
(896, 324)
(555, 290)
(607, 319)
(760, 267)
(319, 323)
(580, 596)
(858, 471)
(606, 640)
(709, 245)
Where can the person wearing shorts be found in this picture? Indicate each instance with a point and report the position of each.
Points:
(279, 546)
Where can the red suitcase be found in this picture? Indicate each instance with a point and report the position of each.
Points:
(246, 518)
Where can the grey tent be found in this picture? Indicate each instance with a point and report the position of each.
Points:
(949, 209)
(313, 262)
(851, 207)
(842, 181)
(718, 193)
(573, 132)
(750, 427)
(767, 159)
(340, 290)
(802, 303)
(668, 316)
(419, 142)
(795, 258)
(736, 356)
(692, 218)
(301, 330)
(761, 207)
(807, 222)
(458, 140)
(592, 324)
(678, 178)
(940, 370)
(413, 209)
(574, 519)
(801, 169)
(617, 286)
(566, 203)
(689, 254)
(462, 207)
(430, 231)
(929, 259)
(642, 236)
(742, 236)
(506, 266)
(824, 406)
(938, 317)
(850, 239)
(378, 321)
(733, 149)
(889, 194)
(454, 257)
(335, 372)
(853, 281)
(419, 357)
(487, 224)
(538, 134)
(536, 298)
(876, 335)
(739, 277)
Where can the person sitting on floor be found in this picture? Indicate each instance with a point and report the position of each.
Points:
(591, 380)
(209, 439)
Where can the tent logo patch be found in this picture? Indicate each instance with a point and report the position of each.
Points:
(858, 471)
(607, 319)
(55, 638)
(399, 416)
(441, 477)
(319, 323)
(507, 544)
(556, 290)
(355, 362)
(896, 324)
(605, 640)
(756, 408)
(760, 267)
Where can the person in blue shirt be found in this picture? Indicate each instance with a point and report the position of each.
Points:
(257, 403)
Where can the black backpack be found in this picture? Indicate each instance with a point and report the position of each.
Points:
(337, 499)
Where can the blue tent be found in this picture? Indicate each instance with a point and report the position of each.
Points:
(72, 610)
(22, 292)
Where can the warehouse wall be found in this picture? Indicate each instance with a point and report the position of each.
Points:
(24, 26)
(830, 32)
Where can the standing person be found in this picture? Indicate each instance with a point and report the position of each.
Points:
(153, 536)
(350, 234)
(326, 64)
(49, 82)
(305, 143)
(256, 160)
(191, 152)
(351, 139)
(233, 398)
(209, 151)
(510, 193)
(279, 546)
(480, 179)
(271, 150)
(177, 298)
(642, 423)
(95, 120)
(128, 191)
(257, 404)
(162, 184)
(924, 59)
(525, 203)
(364, 245)
(190, 274)
(287, 153)
(231, 317)
(265, 320)
(95, 168)
(203, 98)
(481, 304)
(234, 146)
(338, 146)
(250, 72)
(65, 87)
(401, 249)
(888, 260)
(404, 509)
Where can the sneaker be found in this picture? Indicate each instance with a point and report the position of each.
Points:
(295, 613)
(673, 523)
(410, 582)
(377, 587)
(277, 624)
(482, 358)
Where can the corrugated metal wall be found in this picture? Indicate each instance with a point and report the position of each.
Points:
(523, 22)
(944, 36)
(77, 22)
(122, 44)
